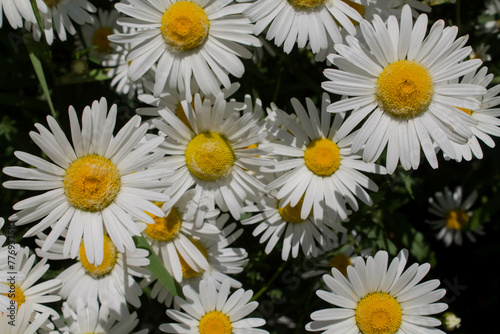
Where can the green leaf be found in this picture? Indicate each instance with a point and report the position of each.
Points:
(36, 52)
(158, 269)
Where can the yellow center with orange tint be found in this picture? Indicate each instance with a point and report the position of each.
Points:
(184, 26)
(405, 89)
(164, 228)
(17, 295)
(108, 262)
(101, 41)
(209, 156)
(187, 271)
(306, 4)
(322, 157)
(291, 214)
(456, 219)
(465, 110)
(91, 183)
(341, 262)
(378, 313)
(215, 322)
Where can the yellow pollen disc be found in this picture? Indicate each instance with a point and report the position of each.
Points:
(100, 39)
(108, 262)
(322, 157)
(291, 214)
(184, 26)
(91, 183)
(341, 262)
(378, 313)
(164, 228)
(467, 111)
(51, 3)
(187, 271)
(215, 322)
(405, 89)
(17, 295)
(209, 156)
(456, 219)
(306, 4)
(179, 112)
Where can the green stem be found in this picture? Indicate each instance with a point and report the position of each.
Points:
(270, 282)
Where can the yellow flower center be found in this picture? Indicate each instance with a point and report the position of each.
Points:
(378, 313)
(179, 112)
(91, 183)
(341, 262)
(100, 39)
(456, 219)
(16, 295)
(51, 3)
(467, 111)
(322, 157)
(184, 26)
(187, 271)
(108, 262)
(164, 228)
(209, 156)
(215, 322)
(306, 4)
(405, 89)
(291, 214)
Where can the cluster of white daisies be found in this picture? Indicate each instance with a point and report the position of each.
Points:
(203, 163)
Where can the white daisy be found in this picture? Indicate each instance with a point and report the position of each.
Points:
(23, 321)
(92, 318)
(275, 221)
(97, 185)
(486, 116)
(401, 80)
(94, 36)
(112, 282)
(319, 167)
(171, 238)
(213, 155)
(214, 311)
(23, 289)
(16, 11)
(454, 214)
(187, 39)
(223, 260)
(59, 15)
(375, 298)
(314, 23)
(118, 69)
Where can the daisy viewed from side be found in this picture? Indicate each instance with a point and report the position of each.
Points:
(400, 82)
(213, 310)
(112, 282)
(377, 298)
(319, 168)
(94, 186)
(486, 116)
(454, 212)
(196, 39)
(57, 17)
(212, 155)
(274, 222)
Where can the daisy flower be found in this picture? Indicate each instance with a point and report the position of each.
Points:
(401, 84)
(319, 167)
(24, 323)
(112, 282)
(275, 222)
(454, 214)
(212, 155)
(486, 117)
(96, 185)
(223, 260)
(375, 298)
(187, 39)
(59, 15)
(23, 289)
(16, 11)
(314, 23)
(95, 35)
(171, 238)
(90, 318)
(214, 311)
